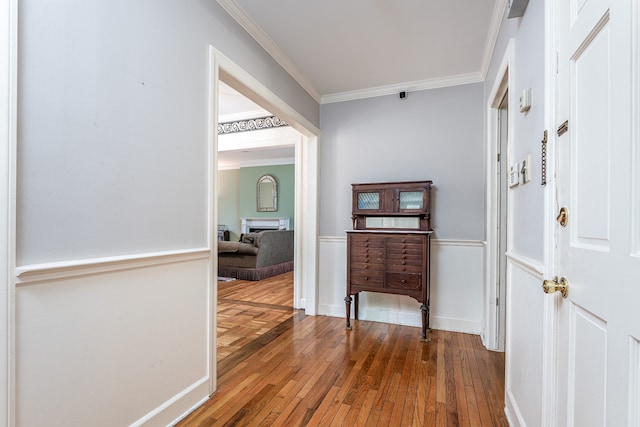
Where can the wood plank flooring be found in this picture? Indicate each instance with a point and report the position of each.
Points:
(278, 367)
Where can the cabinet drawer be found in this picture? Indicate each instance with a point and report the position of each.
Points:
(359, 253)
(397, 249)
(406, 240)
(367, 266)
(410, 257)
(409, 282)
(371, 279)
(367, 240)
(405, 268)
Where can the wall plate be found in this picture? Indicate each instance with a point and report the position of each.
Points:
(514, 175)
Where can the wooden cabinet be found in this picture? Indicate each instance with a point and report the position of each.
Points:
(389, 248)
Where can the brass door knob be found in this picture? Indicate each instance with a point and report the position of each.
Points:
(551, 286)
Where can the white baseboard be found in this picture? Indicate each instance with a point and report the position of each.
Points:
(457, 325)
(512, 411)
(178, 407)
(406, 318)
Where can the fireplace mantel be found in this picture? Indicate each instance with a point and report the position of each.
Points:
(251, 224)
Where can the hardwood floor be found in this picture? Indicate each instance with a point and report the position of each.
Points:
(277, 366)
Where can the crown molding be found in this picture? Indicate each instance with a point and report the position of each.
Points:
(245, 21)
(456, 80)
(259, 123)
(241, 17)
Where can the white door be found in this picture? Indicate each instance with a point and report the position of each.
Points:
(598, 250)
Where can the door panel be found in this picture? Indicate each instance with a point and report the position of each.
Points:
(588, 336)
(590, 161)
(599, 321)
(634, 382)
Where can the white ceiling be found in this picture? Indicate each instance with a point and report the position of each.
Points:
(349, 49)
(255, 157)
(232, 105)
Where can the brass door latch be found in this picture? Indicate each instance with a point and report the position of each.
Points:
(563, 217)
(551, 286)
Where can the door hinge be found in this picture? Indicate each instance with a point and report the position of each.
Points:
(497, 301)
(564, 127)
(498, 157)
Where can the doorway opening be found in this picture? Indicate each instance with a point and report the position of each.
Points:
(497, 226)
(253, 299)
(306, 191)
(502, 230)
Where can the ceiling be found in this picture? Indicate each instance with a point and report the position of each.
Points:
(340, 50)
(348, 49)
(233, 106)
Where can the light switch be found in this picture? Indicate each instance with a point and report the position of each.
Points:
(525, 100)
(514, 175)
(526, 169)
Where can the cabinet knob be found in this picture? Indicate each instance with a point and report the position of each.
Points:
(366, 278)
(403, 281)
(404, 262)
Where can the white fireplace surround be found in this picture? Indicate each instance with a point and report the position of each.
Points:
(252, 224)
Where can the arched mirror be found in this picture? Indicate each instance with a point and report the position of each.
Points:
(267, 194)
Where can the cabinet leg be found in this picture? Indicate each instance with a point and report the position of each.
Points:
(347, 301)
(425, 321)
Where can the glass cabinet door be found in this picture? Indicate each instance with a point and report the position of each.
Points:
(369, 201)
(410, 200)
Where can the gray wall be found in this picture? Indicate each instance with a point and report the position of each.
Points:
(527, 201)
(113, 190)
(113, 123)
(430, 135)
(525, 345)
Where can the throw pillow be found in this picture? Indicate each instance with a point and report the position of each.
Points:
(248, 238)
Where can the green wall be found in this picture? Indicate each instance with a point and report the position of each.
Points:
(228, 201)
(237, 195)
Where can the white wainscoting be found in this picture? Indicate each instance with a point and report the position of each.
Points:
(457, 271)
(121, 341)
(524, 354)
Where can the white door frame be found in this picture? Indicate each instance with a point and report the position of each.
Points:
(550, 310)
(306, 193)
(491, 335)
(8, 144)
